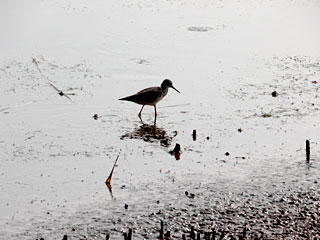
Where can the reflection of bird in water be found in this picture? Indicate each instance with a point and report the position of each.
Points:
(151, 96)
(149, 133)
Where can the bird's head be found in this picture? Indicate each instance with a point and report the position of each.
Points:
(168, 83)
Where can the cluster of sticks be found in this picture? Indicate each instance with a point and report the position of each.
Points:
(193, 235)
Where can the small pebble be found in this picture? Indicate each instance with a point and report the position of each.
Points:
(274, 94)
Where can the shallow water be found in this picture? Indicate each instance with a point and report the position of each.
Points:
(225, 57)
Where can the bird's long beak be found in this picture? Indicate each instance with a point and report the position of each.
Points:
(175, 89)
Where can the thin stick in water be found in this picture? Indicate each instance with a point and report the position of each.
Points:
(308, 150)
(108, 181)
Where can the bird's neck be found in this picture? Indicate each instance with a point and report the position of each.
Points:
(164, 91)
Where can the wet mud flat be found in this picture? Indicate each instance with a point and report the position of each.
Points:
(269, 216)
(280, 213)
(218, 190)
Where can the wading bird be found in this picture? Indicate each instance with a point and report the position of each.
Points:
(151, 96)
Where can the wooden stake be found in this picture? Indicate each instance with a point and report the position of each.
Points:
(308, 150)
(161, 230)
(194, 134)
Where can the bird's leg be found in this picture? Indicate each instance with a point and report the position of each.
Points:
(140, 112)
(155, 113)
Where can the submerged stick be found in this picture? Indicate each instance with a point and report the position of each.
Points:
(308, 150)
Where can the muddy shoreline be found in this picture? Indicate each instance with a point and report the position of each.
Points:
(226, 154)
(285, 213)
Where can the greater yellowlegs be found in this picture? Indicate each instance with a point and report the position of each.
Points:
(151, 96)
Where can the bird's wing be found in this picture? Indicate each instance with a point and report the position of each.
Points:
(146, 96)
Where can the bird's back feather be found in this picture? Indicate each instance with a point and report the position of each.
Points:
(148, 96)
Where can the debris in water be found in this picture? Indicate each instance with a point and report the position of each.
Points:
(266, 115)
(128, 236)
(192, 233)
(161, 230)
(176, 151)
(108, 181)
(199, 29)
(95, 116)
(60, 92)
(308, 150)
(274, 94)
(191, 195)
(227, 154)
(194, 134)
(240, 130)
(36, 62)
(167, 235)
(126, 206)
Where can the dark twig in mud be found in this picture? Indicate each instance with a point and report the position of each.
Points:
(192, 233)
(161, 230)
(198, 236)
(108, 181)
(167, 235)
(194, 134)
(128, 236)
(34, 60)
(308, 150)
(176, 151)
